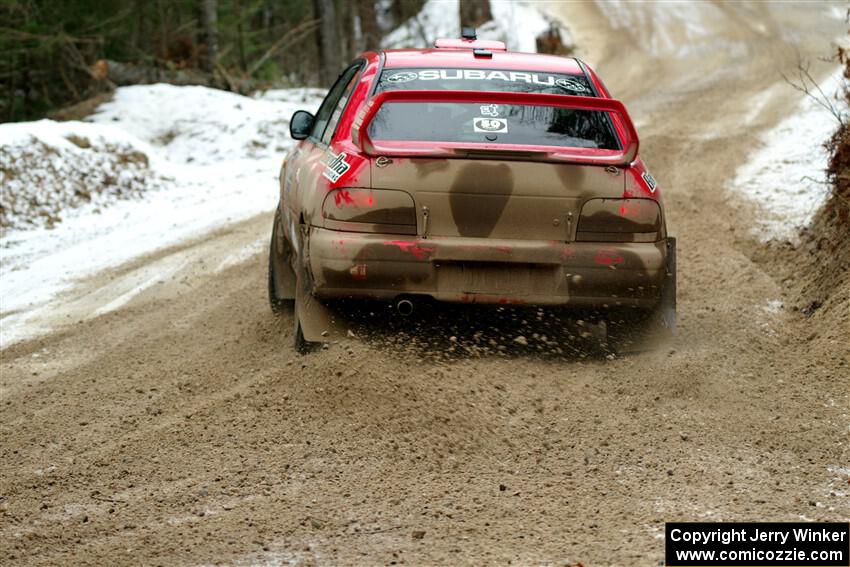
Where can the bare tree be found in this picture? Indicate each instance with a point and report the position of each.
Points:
(330, 61)
(370, 33)
(209, 24)
(551, 41)
(474, 13)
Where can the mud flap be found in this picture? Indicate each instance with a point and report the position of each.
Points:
(668, 292)
(281, 273)
(631, 332)
(317, 322)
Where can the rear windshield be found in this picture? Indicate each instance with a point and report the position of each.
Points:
(493, 123)
(490, 123)
(484, 80)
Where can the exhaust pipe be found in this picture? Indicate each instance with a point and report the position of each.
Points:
(404, 307)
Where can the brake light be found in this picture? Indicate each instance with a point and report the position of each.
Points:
(369, 210)
(620, 220)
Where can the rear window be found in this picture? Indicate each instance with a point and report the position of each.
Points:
(490, 123)
(493, 124)
(484, 80)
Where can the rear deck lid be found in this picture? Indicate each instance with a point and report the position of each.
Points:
(487, 198)
(504, 157)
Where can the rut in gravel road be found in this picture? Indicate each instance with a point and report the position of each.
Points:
(182, 430)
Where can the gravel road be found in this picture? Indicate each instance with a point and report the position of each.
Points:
(181, 429)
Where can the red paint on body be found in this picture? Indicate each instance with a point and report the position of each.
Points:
(420, 252)
(342, 197)
(480, 248)
(488, 298)
(606, 257)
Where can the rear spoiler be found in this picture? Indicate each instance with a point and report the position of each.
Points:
(620, 119)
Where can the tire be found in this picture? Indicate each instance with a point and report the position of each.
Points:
(279, 302)
(644, 330)
(661, 321)
(666, 310)
(299, 343)
(301, 285)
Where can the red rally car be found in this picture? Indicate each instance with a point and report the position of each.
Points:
(466, 173)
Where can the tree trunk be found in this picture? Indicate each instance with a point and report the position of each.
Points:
(551, 42)
(370, 33)
(138, 29)
(330, 62)
(240, 38)
(209, 24)
(348, 29)
(474, 13)
(402, 10)
(162, 51)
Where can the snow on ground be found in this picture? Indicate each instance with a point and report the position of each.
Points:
(515, 22)
(205, 126)
(785, 177)
(213, 159)
(47, 168)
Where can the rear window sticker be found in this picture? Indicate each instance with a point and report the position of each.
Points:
(650, 181)
(490, 125)
(336, 167)
(403, 77)
(472, 75)
(573, 85)
(490, 109)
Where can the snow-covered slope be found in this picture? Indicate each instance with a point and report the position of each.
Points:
(203, 126)
(515, 22)
(210, 158)
(785, 178)
(48, 168)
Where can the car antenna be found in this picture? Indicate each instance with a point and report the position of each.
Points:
(468, 33)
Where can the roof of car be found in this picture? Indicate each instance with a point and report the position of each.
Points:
(466, 59)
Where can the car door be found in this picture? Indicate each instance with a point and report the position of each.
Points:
(314, 152)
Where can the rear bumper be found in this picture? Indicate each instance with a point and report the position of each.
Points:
(484, 270)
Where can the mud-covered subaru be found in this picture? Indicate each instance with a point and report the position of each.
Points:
(469, 174)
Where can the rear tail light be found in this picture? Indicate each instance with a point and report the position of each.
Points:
(369, 210)
(620, 220)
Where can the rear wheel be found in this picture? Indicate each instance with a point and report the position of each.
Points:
(663, 317)
(301, 294)
(644, 330)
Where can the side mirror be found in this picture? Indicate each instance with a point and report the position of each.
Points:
(301, 124)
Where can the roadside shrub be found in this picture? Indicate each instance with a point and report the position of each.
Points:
(838, 146)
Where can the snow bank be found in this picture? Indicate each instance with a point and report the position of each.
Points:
(197, 158)
(137, 143)
(786, 176)
(47, 168)
(206, 126)
(515, 22)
